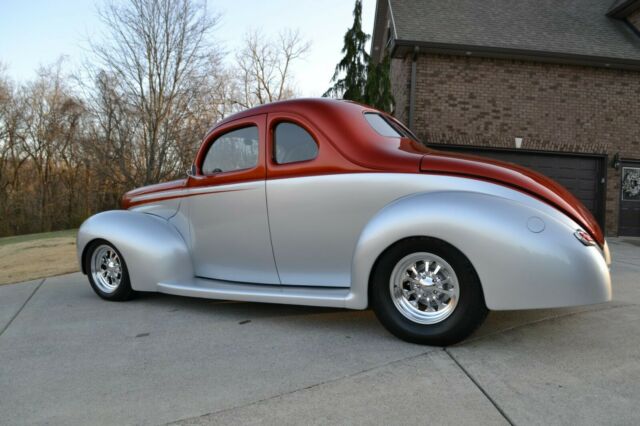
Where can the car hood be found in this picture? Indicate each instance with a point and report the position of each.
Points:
(516, 177)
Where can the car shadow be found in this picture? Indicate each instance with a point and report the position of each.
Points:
(351, 321)
(232, 307)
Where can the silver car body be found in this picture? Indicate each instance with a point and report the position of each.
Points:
(314, 240)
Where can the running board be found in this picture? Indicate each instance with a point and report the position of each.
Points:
(291, 295)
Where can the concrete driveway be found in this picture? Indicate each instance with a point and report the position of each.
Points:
(67, 357)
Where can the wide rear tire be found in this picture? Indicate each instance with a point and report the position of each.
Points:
(425, 291)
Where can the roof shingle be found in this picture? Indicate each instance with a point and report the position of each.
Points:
(570, 27)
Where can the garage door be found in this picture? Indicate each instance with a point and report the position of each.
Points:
(582, 175)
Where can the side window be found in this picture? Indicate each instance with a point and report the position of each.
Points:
(293, 144)
(381, 125)
(236, 150)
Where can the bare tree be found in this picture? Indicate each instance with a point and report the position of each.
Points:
(135, 116)
(159, 54)
(49, 125)
(6, 101)
(7, 142)
(265, 67)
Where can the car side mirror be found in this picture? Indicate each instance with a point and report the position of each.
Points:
(191, 172)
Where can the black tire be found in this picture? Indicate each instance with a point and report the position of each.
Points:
(123, 291)
(467, 315)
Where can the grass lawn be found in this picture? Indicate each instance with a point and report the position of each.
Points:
(33, 256)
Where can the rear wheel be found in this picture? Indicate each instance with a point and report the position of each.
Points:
(107, 271)
(423, 290)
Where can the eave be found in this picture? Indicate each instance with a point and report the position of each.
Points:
(401, 48)
(624, 9)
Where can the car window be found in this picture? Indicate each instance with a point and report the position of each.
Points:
(293, 144)
(236, 150)
(381, 125)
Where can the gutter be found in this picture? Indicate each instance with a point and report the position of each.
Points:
(393, 20)
(402, 47)
(624, 9)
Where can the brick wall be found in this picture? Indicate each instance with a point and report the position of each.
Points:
(634, 19)
(400, 86)
(489, 102)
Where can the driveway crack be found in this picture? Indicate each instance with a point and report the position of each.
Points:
(484, 392)
(21, 307)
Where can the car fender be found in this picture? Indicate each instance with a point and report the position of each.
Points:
(152, 248)
(519, 265)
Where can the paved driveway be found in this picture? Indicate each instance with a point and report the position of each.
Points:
(67, 357)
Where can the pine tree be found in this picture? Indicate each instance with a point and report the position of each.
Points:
(353, 64)
(363, 81)
(378, 87)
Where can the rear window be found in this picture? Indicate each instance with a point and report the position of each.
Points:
(381, 125)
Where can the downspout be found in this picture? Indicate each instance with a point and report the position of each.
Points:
(412, 87)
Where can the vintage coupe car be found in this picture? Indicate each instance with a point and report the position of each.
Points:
(331, 203)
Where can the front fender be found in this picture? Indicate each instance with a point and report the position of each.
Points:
(518, 268)
(152, 248)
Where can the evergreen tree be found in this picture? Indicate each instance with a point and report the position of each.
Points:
(353, 64)
(363, 81)
(378, 86)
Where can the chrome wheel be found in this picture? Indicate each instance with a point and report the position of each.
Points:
(106, 268)
(424, 288)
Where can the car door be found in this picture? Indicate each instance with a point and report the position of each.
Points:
(315, 218)
(227, 209)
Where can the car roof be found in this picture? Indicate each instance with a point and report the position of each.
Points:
(303, 106)
(343, 124)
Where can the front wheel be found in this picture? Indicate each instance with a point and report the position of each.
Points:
(107, 271)
(424, 290)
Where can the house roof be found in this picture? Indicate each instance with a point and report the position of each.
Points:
(558, 30)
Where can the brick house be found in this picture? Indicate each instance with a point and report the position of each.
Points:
(550, 84)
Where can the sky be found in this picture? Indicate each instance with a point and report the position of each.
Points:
(38, 32)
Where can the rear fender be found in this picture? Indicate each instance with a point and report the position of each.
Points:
(518, 268)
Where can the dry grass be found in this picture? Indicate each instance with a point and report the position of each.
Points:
(36, 256)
